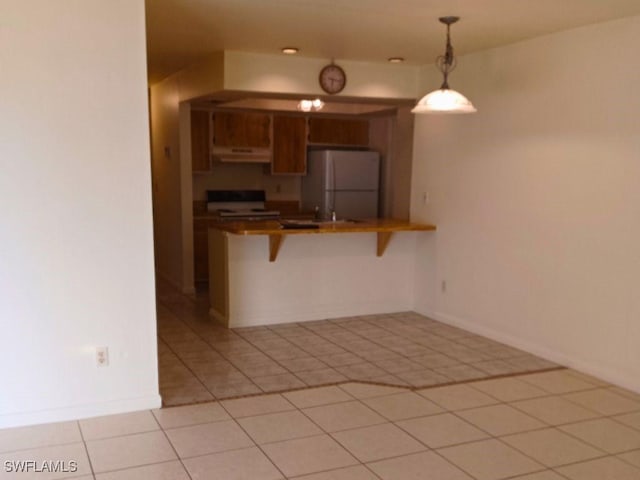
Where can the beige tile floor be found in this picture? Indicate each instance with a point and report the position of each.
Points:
(356, 431)
(409, 398)
(202, 361)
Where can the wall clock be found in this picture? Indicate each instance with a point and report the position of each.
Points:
(332, 79)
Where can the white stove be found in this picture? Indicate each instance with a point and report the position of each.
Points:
(239, 204)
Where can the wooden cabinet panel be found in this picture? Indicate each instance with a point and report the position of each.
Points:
(200, 251)
(199, 140)
(338, 131)
(289, 145)
(241, 129)
(219, 278)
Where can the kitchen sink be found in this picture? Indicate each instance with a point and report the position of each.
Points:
(294, 224)
(338, 221)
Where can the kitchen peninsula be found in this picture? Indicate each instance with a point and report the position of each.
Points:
(269, 272)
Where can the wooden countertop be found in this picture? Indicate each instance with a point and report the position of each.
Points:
(274, 227)
(384, 227)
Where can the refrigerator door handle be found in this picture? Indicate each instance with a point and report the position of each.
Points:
(331, 173)
(333, 198)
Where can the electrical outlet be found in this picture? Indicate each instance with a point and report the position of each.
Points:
(443, 286)
(102, 356)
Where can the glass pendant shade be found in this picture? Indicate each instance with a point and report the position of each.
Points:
(444, 100)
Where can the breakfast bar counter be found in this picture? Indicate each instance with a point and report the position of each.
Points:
(317, 274)
(277, 230)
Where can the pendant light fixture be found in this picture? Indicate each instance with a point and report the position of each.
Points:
(445, 100)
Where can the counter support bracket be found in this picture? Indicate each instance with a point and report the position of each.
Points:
(383, 241)
(275, 241)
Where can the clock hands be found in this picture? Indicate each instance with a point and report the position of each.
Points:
(332, 79)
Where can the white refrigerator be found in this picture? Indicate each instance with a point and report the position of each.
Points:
(342, 181)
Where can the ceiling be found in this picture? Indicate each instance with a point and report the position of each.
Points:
(181, 32)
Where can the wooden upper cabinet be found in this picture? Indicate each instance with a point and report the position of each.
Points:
(241, 129)
(199, 140)
(289, 145)
(338, 131)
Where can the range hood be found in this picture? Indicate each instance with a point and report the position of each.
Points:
(241, 155)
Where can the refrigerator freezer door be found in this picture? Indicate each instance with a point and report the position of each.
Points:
(352, 204)
(351, 170)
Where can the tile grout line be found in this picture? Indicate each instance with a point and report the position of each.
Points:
(365, 360)
(213, 349)
(454, 340)
(310, 353)
(324, 433)
(365, 319)
(86, 449)
(125, 469)
(184, 467)
(389, 422)
(364, 382)
(183, 362)
(228, 357)
(546, 426)
(258, 446)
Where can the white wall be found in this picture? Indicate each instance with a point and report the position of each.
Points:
(398, 190)
(318, 276)
(299, 75)
(537, 199)
(76, 251)
(167, 176)
(171, 160)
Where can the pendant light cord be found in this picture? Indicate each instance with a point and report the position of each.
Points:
(446, 63)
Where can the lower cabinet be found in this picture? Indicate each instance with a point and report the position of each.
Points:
(219, 284)
(200, 250)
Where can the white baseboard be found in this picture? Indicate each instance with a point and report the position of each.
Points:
(298, 314)
(607, 374)
(78, 412)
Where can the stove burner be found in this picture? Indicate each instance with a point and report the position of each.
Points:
(239, 204)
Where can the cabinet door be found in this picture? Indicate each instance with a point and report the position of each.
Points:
(289, 145)
(241, 129)
(199, 140)
(200, 251)
(338, 131)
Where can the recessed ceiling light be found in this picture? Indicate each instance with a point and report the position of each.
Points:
(395, 60)
(290, 50)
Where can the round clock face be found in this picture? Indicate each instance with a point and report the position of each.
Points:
(332, 79)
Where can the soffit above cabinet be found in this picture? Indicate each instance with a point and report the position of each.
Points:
(281, 105)
(332, 106)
